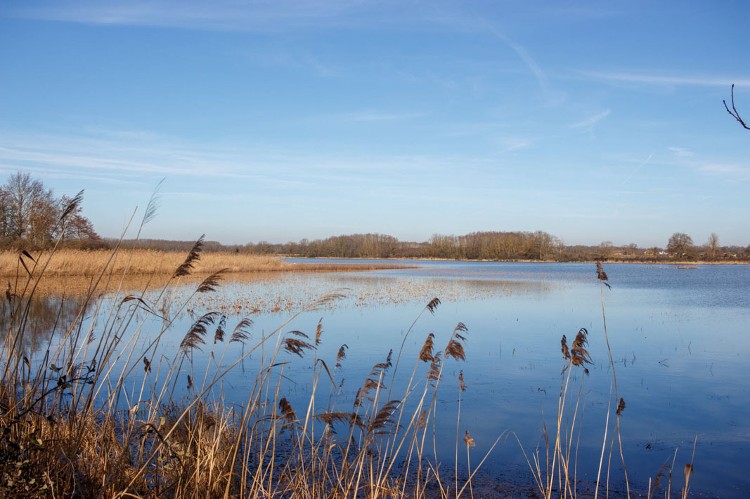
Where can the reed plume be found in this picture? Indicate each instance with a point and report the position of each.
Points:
(341, 355)
(197, 332)
(295, 343)
(425, 354)
(375, 379)
(601, 274)
(186, 267)
(620, 406)
(433, 375)
(71, 207)
(211, 282)
(578, 353)
(318, 332)
(384, 418)
(433, 305)
(240, 332)
(455, 347)
(287, 413)
(564, 348)
(219, 333)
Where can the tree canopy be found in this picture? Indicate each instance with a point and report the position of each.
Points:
(32, 217)
(680, 245)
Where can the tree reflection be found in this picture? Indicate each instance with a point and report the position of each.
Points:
(46, 316)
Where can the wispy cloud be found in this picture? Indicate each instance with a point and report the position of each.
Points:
(194, 14)
(262, 16)
(133, 157)
(591, 120)
(681, 152)
(115, 157)
(366, 116)
(294, 59)
(511, 144)
(666, 80)
(728, 171)
(529, 62)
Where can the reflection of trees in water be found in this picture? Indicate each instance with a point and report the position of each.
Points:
(46, 315)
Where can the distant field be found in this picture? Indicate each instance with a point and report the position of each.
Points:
(73, 271)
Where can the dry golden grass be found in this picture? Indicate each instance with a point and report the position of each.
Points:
(74, 271)
(137, 261)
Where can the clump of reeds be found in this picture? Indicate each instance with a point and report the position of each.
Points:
(102, 409)
(554, 466)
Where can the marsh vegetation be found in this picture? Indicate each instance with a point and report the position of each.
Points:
(447, 379)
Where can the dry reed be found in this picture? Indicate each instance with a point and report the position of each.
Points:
(135, 262)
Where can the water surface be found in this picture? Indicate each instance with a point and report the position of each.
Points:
(679, 339)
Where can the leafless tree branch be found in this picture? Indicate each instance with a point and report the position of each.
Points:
(734, 113)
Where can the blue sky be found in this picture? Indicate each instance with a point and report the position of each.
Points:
(283, 120)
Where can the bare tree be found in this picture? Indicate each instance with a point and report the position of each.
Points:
(30, 214)
(712, 246)
(29, 209)
(77, 226)
(680, 245)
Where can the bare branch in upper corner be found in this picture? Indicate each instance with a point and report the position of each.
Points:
(735, 114)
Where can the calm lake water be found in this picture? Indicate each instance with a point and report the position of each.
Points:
(679, 339)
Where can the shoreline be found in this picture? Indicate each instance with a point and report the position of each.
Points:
(157, 265)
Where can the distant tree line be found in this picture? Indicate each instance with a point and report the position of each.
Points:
(500, 246)
(30, 217)
(172, 245)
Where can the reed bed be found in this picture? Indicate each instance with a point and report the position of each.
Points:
(139, 262)
(71, 262)
(73, 272)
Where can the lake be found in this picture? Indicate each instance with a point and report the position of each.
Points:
(679, 340)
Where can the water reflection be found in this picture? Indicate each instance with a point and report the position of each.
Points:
(39, 319)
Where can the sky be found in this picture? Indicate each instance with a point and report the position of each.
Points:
(282, 120)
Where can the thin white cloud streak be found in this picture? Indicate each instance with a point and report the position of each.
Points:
(367, 116)
(526, 58)
(267, 16)
(636, 170)
(259, 16)
(727, 171)
(730, 172)
(666, 80)
(591, 120)
(130, 161)
(511, 144)
(681, 152)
